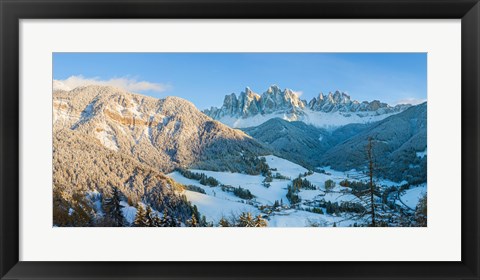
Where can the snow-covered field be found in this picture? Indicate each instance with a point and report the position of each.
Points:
(285, 167)
(411, 196)
(337, 119)
(262, 194)
(315, 118)
(217, 203)
(215, 208)
(128, 212)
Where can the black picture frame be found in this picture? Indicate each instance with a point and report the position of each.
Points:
(11, 11)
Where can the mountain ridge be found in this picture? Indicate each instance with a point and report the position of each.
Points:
(287, 104)
(398, 141)
(165, 133)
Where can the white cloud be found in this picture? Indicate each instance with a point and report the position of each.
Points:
(410, 100)
(298, 93)
(126, 83)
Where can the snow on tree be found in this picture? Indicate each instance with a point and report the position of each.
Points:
(246, 220)
(223, 223)
(167, 220)
(149, 217)
(140, 217)
(260, 222)
(192, 222)
(156, 221)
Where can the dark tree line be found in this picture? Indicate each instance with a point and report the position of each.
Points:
(202, 178)
(344, 206)
(149, 218)
(194, 188)
(73, 211)
(292, 195)
(245, 219)
(299, 183)
(79, 210)
(257, 166)
(243, 193)
(239, 192)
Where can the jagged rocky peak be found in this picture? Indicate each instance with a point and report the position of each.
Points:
(341, 102)
(337, 101)
(276, 100)
(249, 103)
(250, 94)
(251, 109)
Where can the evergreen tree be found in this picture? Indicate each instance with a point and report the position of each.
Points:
(78, 211)
(149, 216)
(292, 195)
(192, 222)
(223, 222)
(276, 204)
(260, 222)
(113, 209)
(81, 211)
(421, 212)
(156, 222)
(246, 220)
(140, 217)
(167, 220)
(61, 207)
(329, 185)
(203, 222)
(195, 212)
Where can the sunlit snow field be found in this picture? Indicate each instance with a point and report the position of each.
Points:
(216, 203)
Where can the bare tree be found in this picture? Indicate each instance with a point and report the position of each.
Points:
(370, 175)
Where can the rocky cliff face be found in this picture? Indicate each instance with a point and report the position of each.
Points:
(287, 105)
(249, 104)
(341, 102)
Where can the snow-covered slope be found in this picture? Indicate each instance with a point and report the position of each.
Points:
(411, 196)
(399, 147)
(105, 137)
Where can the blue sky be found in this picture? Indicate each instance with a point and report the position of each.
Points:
(205, 78)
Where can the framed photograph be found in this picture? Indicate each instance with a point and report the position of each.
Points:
(271, 139)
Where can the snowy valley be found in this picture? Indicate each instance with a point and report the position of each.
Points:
(124, 159)
(271, 201)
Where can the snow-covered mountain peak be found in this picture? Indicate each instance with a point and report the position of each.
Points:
(249, 103)
(273, 89)
(286, 104)
(248, 93)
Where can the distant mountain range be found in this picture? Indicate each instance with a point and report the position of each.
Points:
(170, 133)
(332, 110)
(399, 144)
